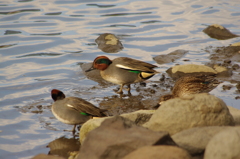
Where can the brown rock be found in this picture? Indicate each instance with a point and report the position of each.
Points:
(109, 43)
(116, 137)
(219, 32)
(236, 114)
(159, 152)
(44, 156)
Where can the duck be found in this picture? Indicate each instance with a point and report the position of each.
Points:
(123, 71)
(190, 84)
(73, 110)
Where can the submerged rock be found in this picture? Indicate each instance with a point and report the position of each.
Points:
(171, 57)
(117, 137)
(198, 110)
(94, 74)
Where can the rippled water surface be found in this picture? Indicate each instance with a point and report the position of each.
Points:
(43, 44)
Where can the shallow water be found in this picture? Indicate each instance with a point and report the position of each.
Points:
(43, 44)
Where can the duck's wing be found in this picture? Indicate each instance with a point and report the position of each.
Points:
(84, 107)
(134, 65)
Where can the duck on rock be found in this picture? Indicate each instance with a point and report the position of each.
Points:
(123, 70)
(191, 84)
(73, 110)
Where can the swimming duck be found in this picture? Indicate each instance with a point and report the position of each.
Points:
(123, 70)
(73, 110)
(191, 84)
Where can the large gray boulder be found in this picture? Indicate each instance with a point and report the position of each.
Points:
(138, 117)
(224, 145)
(200, 110)
(117, 137)
(195, 140)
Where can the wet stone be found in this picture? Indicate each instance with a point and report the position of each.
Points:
(171, 57)
(238, 86)
(227, 87)
(237, 97)
(235, 67)
(219, 32)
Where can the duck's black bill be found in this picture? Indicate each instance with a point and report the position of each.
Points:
(90, 69)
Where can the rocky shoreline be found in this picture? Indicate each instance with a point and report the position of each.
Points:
(197, 128)
(200, 127)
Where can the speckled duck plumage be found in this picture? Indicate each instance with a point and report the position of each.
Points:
(188, 85)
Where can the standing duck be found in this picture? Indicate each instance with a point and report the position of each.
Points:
(73, 110)
(191, 84)
(123, 70)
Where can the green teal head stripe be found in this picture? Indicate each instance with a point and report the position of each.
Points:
(105, 61)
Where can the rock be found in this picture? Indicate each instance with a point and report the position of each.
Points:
(221, 54)
(224, 145)
(171, 57)
(222, 71)
(235, 67)
(62, 146)
(109, 43)
(117, 137)
(199, 110)
(237, 97)
(138, 117)
(227, 87)
(161, 152)
(89, 126)
(44, 156)
(94, 74)
(238, 86)
(219, 32)
(195, 140)
(236, 44)
(180, 70)
(236, 114)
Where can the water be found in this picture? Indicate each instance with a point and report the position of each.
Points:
(44, 42)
